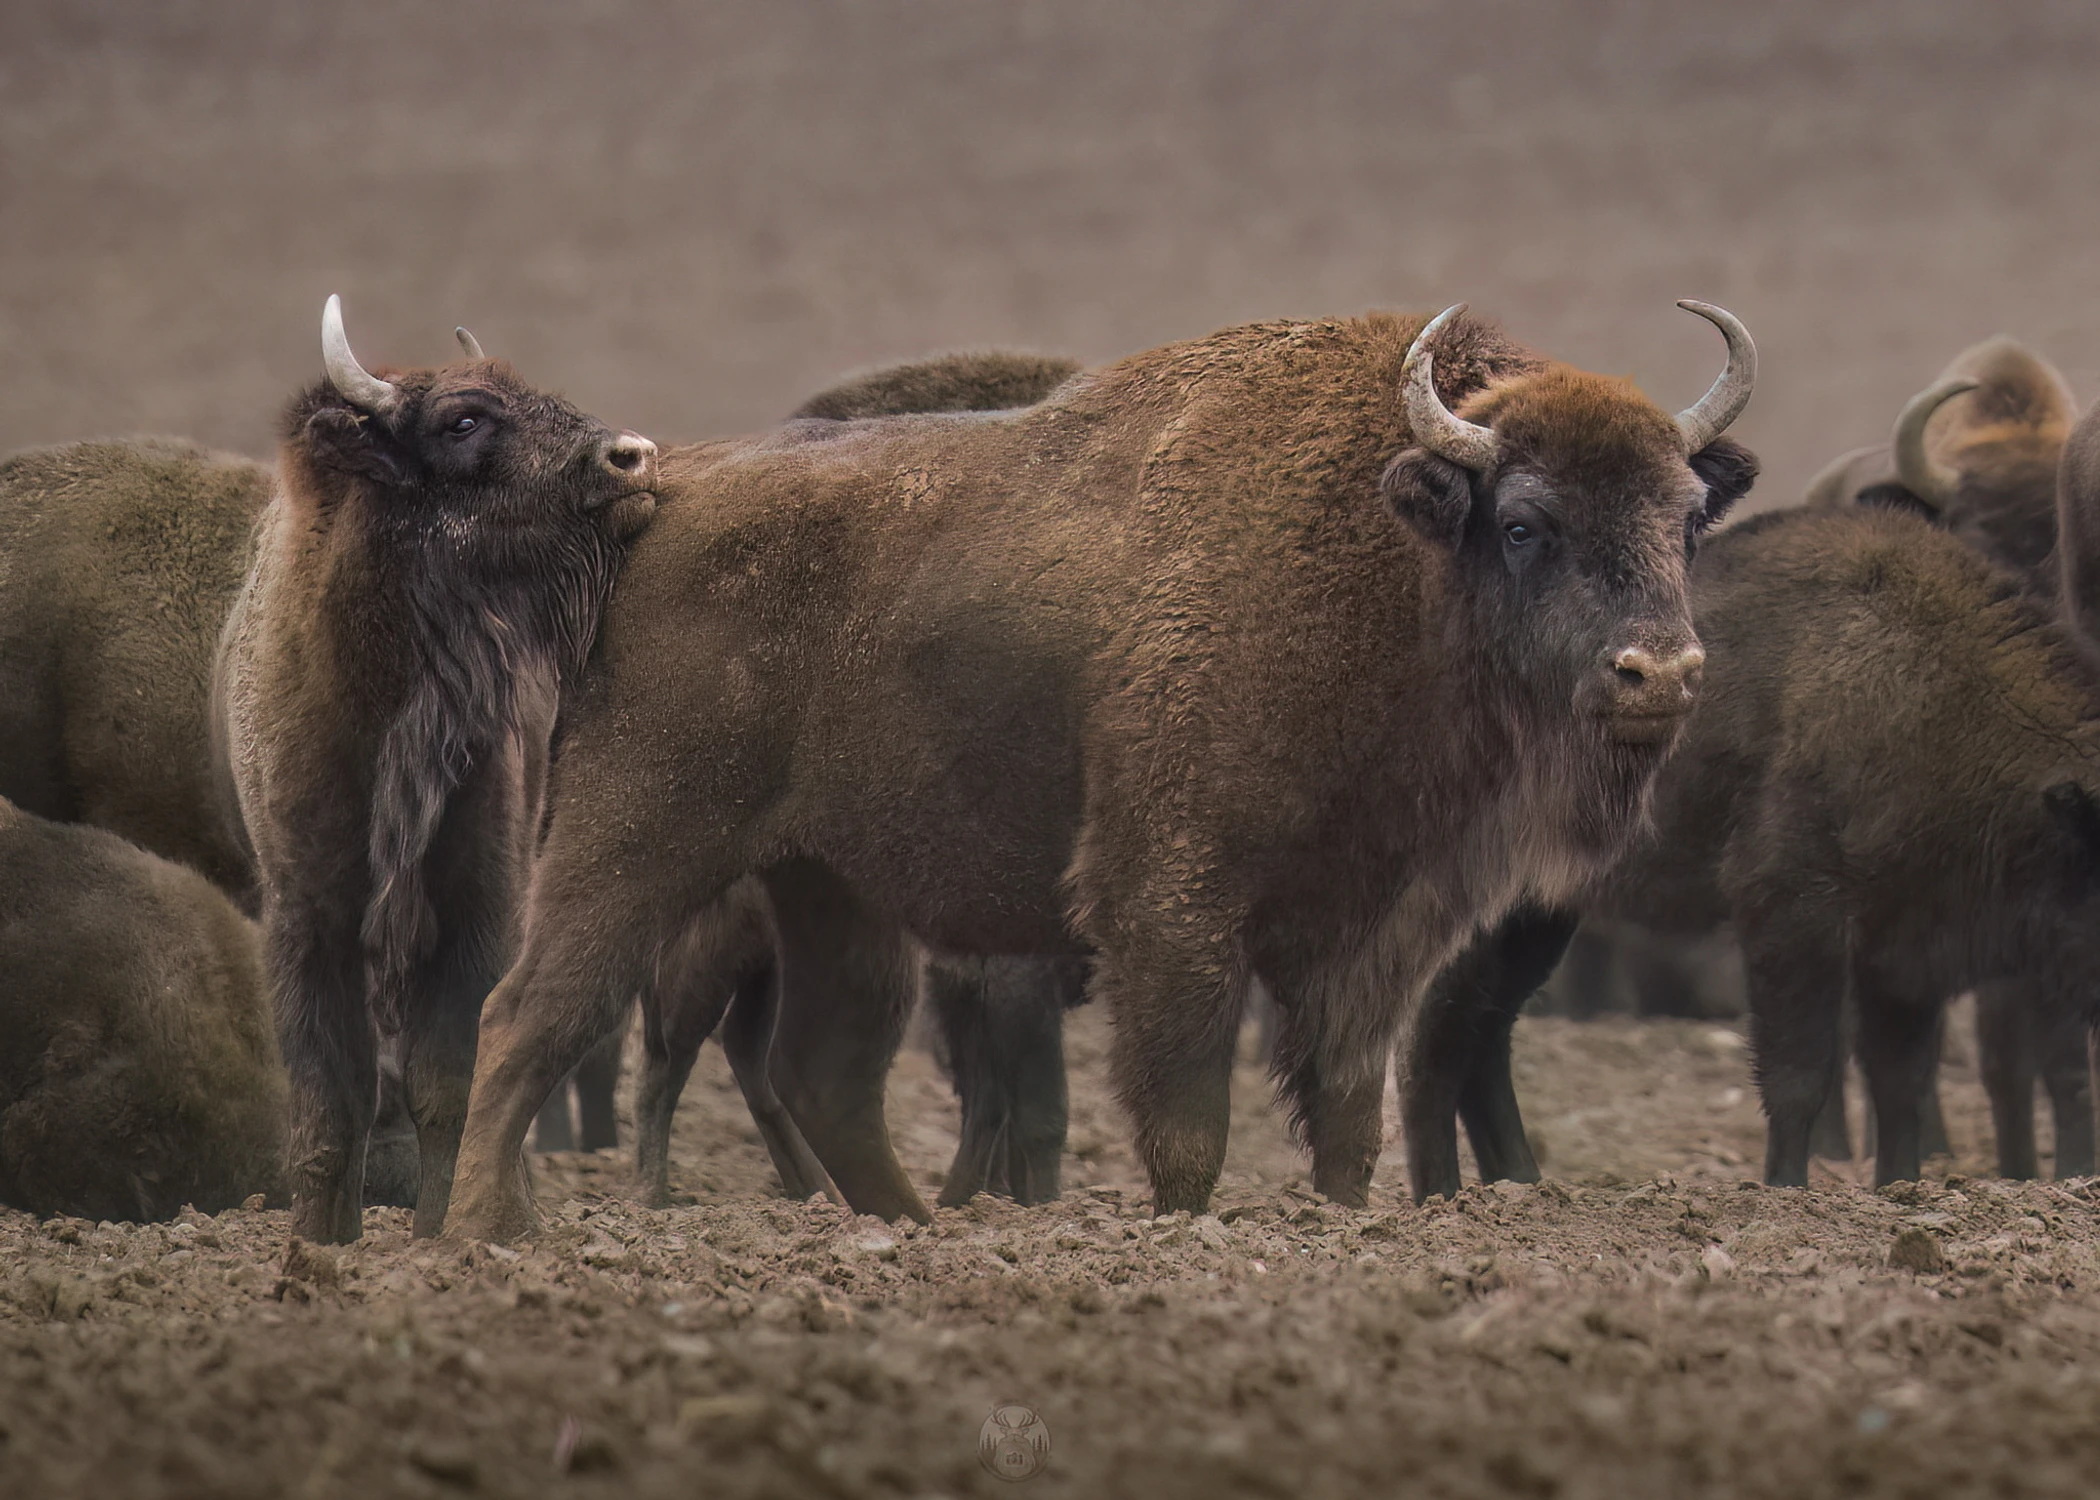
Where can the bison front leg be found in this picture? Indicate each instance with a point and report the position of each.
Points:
(2005, 1058)
(474, 869)
(1899, 1050)
(330, 1052)
(1176, 1028)
(1002, 1021)
(846, 989)
(587, 953)
(1794, 961)
(2069, 1080)
(1458, 1053)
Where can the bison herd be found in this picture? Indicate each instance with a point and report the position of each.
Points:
(352, 805)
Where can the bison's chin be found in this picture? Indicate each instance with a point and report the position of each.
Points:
(1657, 731)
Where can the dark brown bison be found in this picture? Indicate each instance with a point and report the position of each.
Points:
(429, 573)
(138, 1071)
(1246, 655)
(120, 560)
(1976, 453)
(1889, 786)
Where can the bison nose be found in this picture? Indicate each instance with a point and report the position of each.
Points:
(1658, 681)
(631, 456)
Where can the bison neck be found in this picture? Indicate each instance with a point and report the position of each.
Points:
(485, 636)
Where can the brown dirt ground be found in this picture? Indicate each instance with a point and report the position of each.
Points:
(1688, 1333)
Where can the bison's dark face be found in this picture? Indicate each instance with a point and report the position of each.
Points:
(1573, 546)
(468, 453)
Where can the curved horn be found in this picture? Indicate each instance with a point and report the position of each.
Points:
(1921, 473)
(349, 377)
(1464, 443)
(1725, 399)
(468, 342)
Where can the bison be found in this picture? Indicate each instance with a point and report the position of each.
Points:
(826, 1040)
(427, 576)
(138, 1069)
(1975, 453)
(1246, 655)
(1890, 784)
(121, 560)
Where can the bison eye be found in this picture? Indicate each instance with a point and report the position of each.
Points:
(464, 426)
(1520, 533)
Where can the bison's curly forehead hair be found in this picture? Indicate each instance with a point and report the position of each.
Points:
(533, 410)
(1590, 431)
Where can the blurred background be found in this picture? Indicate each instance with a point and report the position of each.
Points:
(688, 216)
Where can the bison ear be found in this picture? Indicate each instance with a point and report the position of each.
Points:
(2078, 815)
(1889, 495)
(1728, 469)
(354, 444)
(1431, 494)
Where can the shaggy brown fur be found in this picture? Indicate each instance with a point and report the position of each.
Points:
(118, 561)
(1197, 663)
(1889, 782)
(993, 381)
(424, 582)
(137, 1067)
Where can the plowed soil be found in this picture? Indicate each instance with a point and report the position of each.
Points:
(1647, 1321)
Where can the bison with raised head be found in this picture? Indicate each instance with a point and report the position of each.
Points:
(1246, 655)
(427, 577)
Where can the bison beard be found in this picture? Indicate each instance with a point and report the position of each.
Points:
(495, 626)
(431, 569)
(1156, 668)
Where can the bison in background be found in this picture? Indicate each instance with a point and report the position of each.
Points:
(1246, 655)
(1977, 454)
(996, 380)
(121, 560)
(427, 576)
(138, 1069)
(1890, 785)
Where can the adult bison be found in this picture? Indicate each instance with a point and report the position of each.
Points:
(428, 574)
(1976, 454)
(138, 1072)
(1245, 655)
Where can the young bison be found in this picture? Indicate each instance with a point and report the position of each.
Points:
(138, 1072)
(429, 573)
(1246, 655)
(1890, 784)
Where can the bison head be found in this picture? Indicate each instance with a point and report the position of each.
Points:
(1572, 506)
(469, 450)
